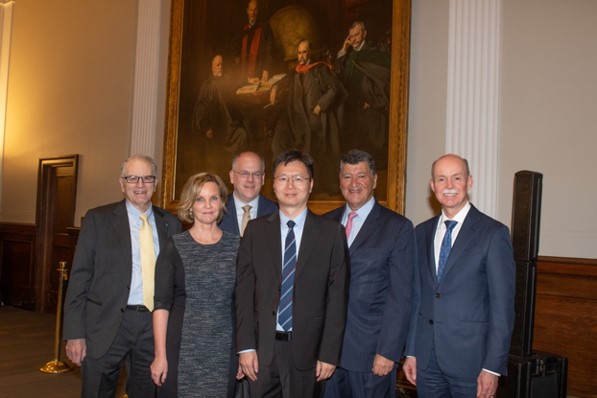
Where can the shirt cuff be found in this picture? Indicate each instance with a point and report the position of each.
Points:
(489, 371)
(247, 350)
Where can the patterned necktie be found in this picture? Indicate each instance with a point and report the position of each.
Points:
(246, 218)
(147, 251)
(444, 251)
(351, 216)
(288, 268)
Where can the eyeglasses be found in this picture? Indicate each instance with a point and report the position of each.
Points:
(135, 179)
(283, 179)
(246, 174)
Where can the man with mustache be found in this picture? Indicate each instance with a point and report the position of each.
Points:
(463, 312)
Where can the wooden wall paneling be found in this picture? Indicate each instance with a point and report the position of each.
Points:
(17, 264)
(566, 318)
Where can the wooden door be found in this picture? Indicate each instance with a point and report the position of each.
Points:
(56, 200)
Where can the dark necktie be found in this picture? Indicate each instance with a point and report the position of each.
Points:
(444, 252)
(288, 268)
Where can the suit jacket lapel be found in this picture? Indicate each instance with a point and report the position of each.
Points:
(308, 241)
(161, 225)
(120, 223)
(273, 235)
(231, 207)
(260, 206)
(430, 230)
(463, 240)
(367, 228)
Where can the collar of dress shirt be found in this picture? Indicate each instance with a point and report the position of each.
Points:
(363, 211)
(299, 220)
(459, 217)
(239, 205)
(135, 213)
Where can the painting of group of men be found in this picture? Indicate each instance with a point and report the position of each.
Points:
(281, 82)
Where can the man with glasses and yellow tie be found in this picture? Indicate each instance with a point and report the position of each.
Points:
(247, 177)
(107, 310)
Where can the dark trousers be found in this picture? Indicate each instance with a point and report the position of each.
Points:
(432, 382)
(133, 346)
(281, 379)
(350, 384)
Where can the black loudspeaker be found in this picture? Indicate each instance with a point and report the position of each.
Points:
(522, 337)
(540, 375)
(526, 214)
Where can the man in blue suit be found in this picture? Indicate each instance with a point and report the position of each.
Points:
(463, 313)
(382, 262)
(247, 177)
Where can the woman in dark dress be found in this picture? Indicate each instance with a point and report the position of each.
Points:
(195, 277)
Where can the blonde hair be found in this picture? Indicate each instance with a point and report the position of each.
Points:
(191, 190)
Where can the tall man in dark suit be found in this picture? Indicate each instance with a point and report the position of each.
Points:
(464, 294)
(291, 292)
(382, 261)
(247, 177)
(107, 311)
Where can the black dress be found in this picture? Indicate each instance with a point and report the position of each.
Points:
(196, 283)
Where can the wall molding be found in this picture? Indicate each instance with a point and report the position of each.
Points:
(472, 108)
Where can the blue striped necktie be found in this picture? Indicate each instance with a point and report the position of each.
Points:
(288, 269)
(444, 251)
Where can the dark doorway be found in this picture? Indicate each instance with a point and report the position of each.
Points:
(56, 200)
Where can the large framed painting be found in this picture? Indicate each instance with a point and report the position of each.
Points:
(236, 82)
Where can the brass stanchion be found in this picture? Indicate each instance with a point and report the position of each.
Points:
(56, 365)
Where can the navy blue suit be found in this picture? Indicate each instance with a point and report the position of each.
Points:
(230, 220)
(468, 317)
(382, 262)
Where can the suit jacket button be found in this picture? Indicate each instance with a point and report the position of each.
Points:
(274, 313)
(122, 310)
(436, 295)
(431, 321)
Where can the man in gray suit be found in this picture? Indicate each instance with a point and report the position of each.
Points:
(463, 314)
(382, 260)
(247, 177)
(107, 311)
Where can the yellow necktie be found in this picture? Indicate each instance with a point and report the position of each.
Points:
(147, 261)
(246, 218)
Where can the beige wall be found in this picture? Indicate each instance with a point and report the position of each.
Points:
(69, 92)
(427, 108)
(71, 81)
(548, 118)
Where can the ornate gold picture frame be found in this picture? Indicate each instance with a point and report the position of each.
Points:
(198, 31)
